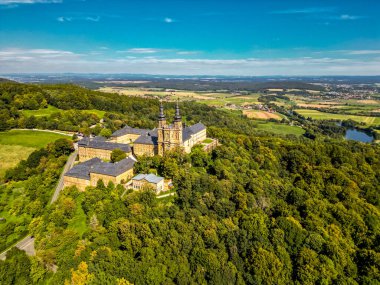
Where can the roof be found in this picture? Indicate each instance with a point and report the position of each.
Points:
(101, 143)
(198, 127)
(113, 169)
(149, 138)
(129, 130)
(82, 170)
(194, 129)
(151, 178)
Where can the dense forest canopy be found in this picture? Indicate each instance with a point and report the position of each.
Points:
(259, 209)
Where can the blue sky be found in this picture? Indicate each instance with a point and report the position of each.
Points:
(241, 37)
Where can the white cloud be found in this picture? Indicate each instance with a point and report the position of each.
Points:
(70, 19)
(184, 52)
(50, 60)
(346, 17)
(363, 52)
(144, 50)
(15, 2)
(64, 19)
(310, 10)
(168, 20)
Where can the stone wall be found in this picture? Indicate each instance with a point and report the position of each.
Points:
(87, 153)
(145, 149)
(195, 139)
(81, 184)
(95, 177)
(126, 139)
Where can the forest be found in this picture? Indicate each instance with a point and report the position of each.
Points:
(259, 209)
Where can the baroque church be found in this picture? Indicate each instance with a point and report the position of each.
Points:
(163, 138)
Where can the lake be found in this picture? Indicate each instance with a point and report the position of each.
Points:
(356, 135)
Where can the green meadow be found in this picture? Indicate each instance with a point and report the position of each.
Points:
(317, 115)
(16, 145)
(280, 129)
(52, 110)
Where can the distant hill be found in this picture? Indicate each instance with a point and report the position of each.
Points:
(215, 85)
(5, 80)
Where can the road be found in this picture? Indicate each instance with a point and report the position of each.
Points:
(69, 164)
(70, 134)
(27, 243)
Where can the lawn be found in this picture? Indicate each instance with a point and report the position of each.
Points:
(10, 155)
(28, 138)
(52, 110)
(16, 145)
(280, 129)
(99, 113)
(317, 115)
(41, 112)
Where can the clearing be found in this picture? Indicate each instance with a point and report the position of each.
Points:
(16, 145)
(262, 115)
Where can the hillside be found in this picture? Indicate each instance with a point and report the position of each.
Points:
(259, 209)
(214, 85)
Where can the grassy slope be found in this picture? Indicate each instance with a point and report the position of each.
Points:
(41, 112)
(10, 155)
(280, 129)
(16, 145)
(329, 116)
(28, 138)
(51, 110)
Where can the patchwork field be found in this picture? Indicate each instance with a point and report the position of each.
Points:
(181, 94)
(216, 99)
(262, 115)
(16, 145)
(317, 115)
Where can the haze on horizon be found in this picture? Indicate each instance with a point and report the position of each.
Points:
(209, 37)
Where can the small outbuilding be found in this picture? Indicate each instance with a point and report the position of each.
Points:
(148, 180)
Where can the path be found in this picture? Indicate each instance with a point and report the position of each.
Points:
(166, 195)
(69, 164)
(27, 243)
(70, 134)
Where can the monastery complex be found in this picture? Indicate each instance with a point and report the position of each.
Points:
(94, 154)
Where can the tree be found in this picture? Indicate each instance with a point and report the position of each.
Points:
(117, 155)
(106, 133)
(81, 276)
(61, 147)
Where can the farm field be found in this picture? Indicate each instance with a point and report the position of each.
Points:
(181, 94)
(349, 106)
(262, 115)
(280, 129)
(317, 115)
(240, 100)
(217, 99)
(16, 145)
(52, 110)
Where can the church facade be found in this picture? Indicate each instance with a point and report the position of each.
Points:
(163, 138)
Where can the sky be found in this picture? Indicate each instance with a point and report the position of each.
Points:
(193, 37)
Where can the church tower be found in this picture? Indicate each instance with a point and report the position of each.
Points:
(169, 136)
(177, 127)
(161, 117)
